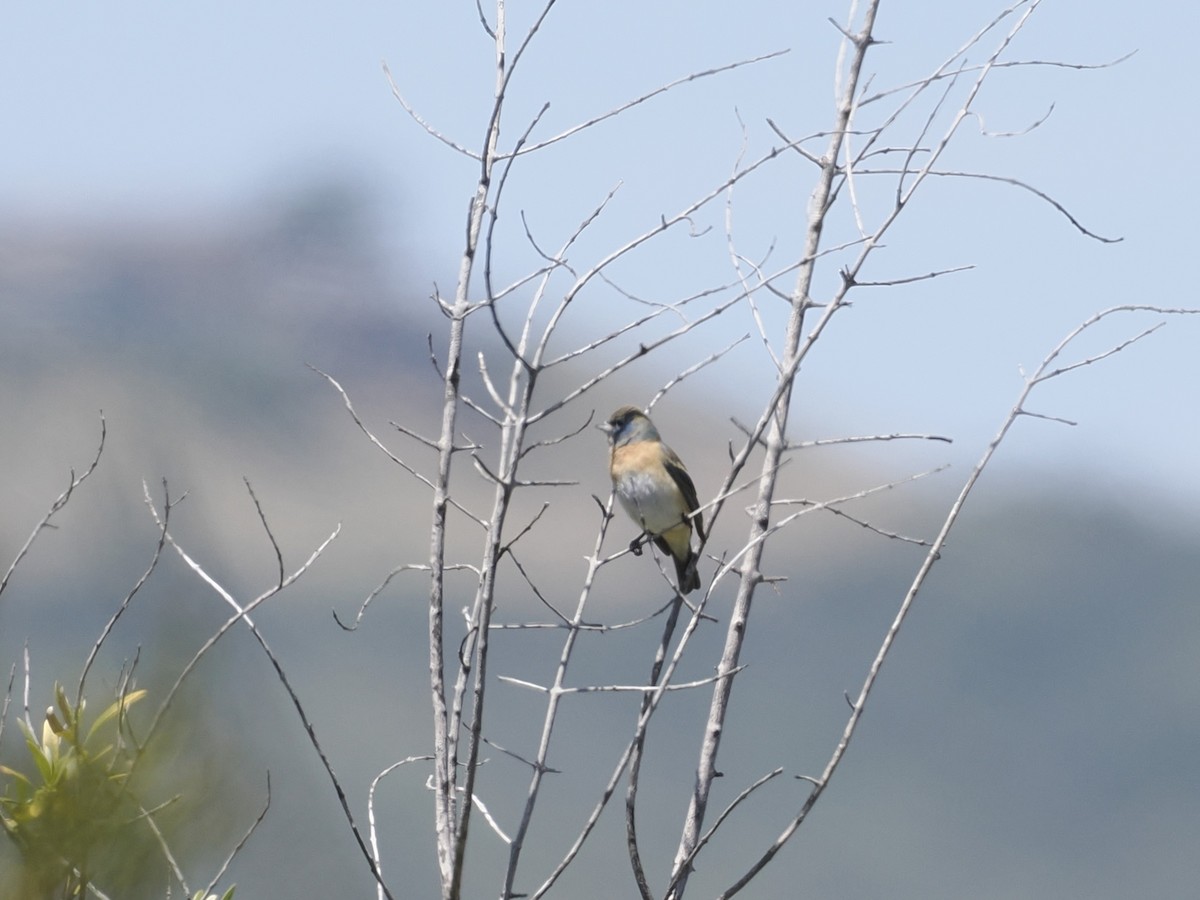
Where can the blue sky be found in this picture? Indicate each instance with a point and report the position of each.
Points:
(133, 110)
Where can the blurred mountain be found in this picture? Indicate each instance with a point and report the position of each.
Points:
(1033, 734)
(188, 298)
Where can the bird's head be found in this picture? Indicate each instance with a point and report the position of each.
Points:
(628, 425)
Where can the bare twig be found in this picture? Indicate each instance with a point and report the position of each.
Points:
(111, 623)
(262, 517)
(1005, 64)
(57, 505)
(928, 276)
(725, 813)
(12, 675)
(416, 117)
(1014, 182)
(147, 816)
(240, 844)
(409, 567)
(388, 453)
(371, 815)
(606, 688)
(847, 439)
(624, 107)
(692, 370)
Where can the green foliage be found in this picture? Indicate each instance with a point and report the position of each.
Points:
(73, 815)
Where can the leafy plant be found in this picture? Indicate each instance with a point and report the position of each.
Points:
(70, 815)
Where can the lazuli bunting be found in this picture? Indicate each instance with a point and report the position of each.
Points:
(654, 487)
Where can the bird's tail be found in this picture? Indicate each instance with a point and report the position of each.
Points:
(686, 574)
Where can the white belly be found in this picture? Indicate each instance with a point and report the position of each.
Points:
(656, 510)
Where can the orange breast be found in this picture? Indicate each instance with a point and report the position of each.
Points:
(647, 492)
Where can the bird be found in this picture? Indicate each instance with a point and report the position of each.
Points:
(654, 487)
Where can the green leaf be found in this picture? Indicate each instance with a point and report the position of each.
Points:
(40, 759)
(64, 705)
(13, 773)
(115, 709)
(200, 895)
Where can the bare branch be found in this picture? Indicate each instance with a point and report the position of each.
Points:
(408, 567)
(371, 815)
(416, 117)
(736, 258)
(658, 309)
(850, 439)
(550, 442)
(147, 816)
(487, 816)
(1058, 419)
(471, 404)
(1015, 182)
(693, 369)
(12, 676)
(57, 505)
(25, 693)
(240, 844)
(524, 531)
(262, 517)
(707, 836)
(489, 244)
(798, 145)
(487, 28)
(388, 453)
(403, 429)
(1099, 356)
(1037, 123)
(1004, 64)
(617, 688)
(694, 76)
(518, 757)
(433, 360)
(529, 277)
(594, 626)
(913, 278)
(111, 623)
(491, 387)
(921, 542)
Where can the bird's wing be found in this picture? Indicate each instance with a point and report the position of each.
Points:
(675, 469)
